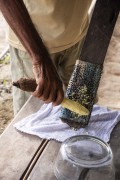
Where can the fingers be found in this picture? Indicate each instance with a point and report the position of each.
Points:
(49, 86)
(59, 97)
(50, 92)
(39, 90)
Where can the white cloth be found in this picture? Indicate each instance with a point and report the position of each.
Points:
(46, 124)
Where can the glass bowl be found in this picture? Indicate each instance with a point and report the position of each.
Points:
(84, 157)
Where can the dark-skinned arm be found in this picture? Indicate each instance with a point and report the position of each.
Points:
(49, 86)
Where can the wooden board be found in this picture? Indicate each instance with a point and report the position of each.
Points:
(17, 149)
(43, 169)
(24, 156)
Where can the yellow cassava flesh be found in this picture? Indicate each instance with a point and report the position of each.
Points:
(74, 106)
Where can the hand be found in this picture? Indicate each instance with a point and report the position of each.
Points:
(49, 86)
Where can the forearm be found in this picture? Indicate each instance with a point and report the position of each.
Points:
(19, 20)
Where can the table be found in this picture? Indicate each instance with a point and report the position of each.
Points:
(24, 156)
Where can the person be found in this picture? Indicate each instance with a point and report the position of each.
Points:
(45, 40)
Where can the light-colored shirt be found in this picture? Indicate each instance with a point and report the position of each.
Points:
(60, 23)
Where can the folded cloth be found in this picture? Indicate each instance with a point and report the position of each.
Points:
(46, 124)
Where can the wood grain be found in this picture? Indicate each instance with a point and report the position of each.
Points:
(17, 149)
(43, 169)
